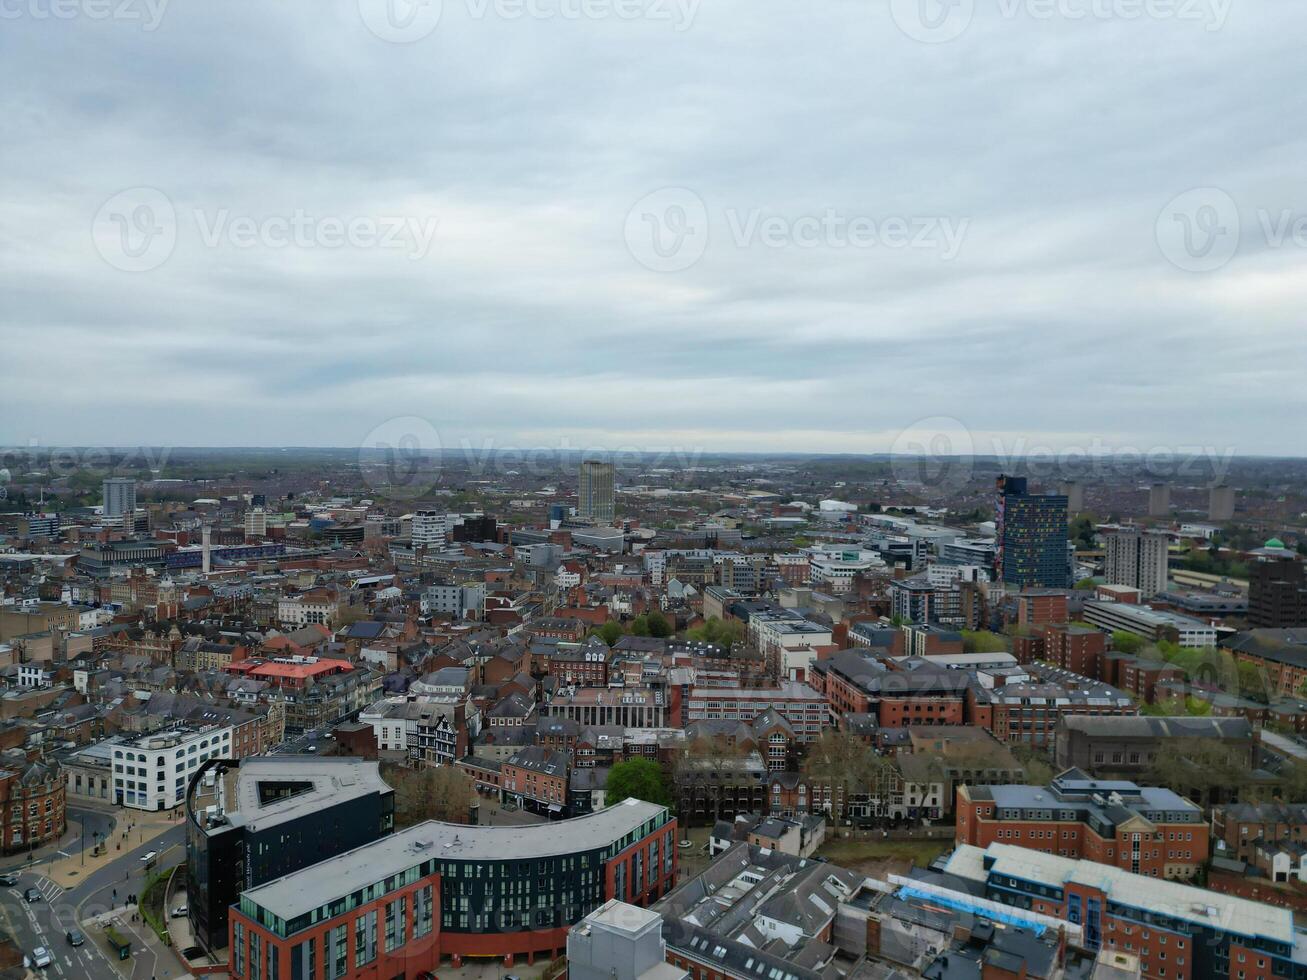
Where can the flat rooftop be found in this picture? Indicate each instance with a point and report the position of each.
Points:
(325, 782)
(301, 892)
(1210, 910)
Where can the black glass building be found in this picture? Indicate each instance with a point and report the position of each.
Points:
(1032, 539)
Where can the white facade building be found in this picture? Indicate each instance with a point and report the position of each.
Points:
(256, 523)
(430, 528)
(151, 771)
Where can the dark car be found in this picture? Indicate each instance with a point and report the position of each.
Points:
(425, 975)
(74, 937)
(9, 879)
(31, 896)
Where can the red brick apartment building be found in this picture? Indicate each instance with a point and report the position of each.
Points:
(1280, 654)
(855, 682)
(1144, 830)
(1243, 825)
(1177, 931)
(1076, 649)
(399, 905)
(1038, 607)
(536, 779)
(1027, 708)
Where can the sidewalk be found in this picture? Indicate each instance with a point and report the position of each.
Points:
(47, 852)
(150, 957)
(133, 828)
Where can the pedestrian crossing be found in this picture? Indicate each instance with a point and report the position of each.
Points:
(49, 890)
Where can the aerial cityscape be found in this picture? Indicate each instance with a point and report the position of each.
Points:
(652, 490)
(399, 711)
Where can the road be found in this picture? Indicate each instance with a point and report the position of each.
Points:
(86, 827)
(45, 921)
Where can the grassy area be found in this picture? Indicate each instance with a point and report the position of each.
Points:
(851, 853)
(151, 902)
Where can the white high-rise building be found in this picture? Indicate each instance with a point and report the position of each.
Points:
(119, 496)
(429, 529)
(256, 523)
(1137, 558)
(595, 492)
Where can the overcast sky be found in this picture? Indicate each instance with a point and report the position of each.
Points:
(736, 224)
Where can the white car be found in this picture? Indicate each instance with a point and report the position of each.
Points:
(41, 958)
(179, 912)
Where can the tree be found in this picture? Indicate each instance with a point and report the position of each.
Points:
(610, 632)
(430, 793)
(659, 626)
(1127, 642)
(1197, 766)
(721, 632)
(640, 779)
(839, 759)
(1082, 531)
(1035, 763)
(982, 641)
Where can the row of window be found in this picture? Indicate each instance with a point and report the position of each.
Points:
(399, 925)
(223, 740)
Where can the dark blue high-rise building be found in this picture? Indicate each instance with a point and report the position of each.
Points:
(1032, 541)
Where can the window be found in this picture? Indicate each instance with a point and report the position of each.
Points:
(338, 952)
(422, 911)
(238, 947)
(396, 923)
(256, 956)
(365, 938)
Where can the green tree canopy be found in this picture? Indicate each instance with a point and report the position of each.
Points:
(983, 641)
(659, 625)
(723, 632)
(640, 779)
(1127, 642)
(610, 632)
